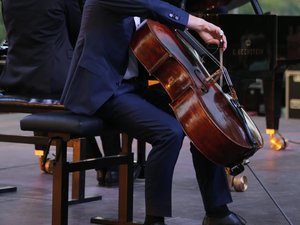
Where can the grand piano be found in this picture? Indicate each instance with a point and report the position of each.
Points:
(260, 46)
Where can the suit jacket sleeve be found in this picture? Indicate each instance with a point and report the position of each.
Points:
(158, 10)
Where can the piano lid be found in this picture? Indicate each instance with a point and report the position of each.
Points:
(236, 3)
(212, 5)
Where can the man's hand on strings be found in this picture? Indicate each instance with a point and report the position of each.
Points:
(209, 33)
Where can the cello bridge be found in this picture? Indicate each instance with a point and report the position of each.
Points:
(215, 76)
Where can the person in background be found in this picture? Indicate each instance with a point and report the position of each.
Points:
(104, 80)
(41, 36)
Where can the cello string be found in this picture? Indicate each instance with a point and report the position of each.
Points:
(203, 49)
(196, 54)
(269, 194)
(198, 47)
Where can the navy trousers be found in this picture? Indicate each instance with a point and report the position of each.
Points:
(144, 113)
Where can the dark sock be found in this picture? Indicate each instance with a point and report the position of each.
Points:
(218, 212)
(153, 219)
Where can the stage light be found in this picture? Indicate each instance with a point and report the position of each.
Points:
(277, 141)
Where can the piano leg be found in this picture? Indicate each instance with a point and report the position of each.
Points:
(272, 97)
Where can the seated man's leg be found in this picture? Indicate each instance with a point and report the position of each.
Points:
(137, 117)
(212, 178)
(214, 188)
(111, 146)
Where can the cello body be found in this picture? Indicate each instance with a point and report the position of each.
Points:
(206, 113)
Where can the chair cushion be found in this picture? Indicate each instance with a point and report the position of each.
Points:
(63, 122)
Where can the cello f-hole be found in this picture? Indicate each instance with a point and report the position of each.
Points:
(203, 87)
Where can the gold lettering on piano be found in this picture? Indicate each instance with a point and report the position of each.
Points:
(248, 51)
(296, 78)
(295, 103)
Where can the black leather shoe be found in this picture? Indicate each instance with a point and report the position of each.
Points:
(107, 178)
(111, 178)
(101, 177)
(231, 219)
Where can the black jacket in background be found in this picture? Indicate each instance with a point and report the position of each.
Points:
(41, 36)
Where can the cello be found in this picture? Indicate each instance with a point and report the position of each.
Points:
(214, 121)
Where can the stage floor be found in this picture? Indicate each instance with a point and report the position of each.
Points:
(31, 203)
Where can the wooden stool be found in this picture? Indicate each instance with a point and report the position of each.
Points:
(13, 103)
(62, 127)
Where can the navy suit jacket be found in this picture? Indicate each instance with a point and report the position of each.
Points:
(101, 55)
(99, 62)
(40, 36)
